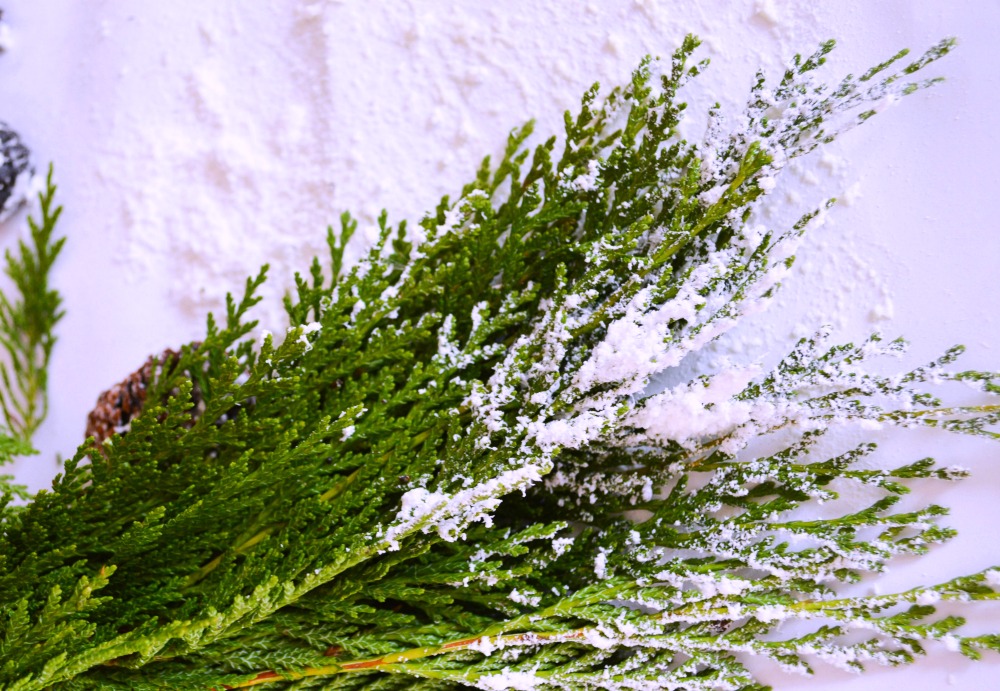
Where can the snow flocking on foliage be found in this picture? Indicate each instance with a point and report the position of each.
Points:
(450, 473)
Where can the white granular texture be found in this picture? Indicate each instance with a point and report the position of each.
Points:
(235, 137)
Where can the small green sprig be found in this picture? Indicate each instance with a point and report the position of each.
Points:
(28, 321)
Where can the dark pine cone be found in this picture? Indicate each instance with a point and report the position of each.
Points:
(123, 402)
(14, 163)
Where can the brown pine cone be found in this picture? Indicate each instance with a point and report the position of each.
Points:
(123, 402)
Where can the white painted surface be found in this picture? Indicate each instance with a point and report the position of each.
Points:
(193, 141)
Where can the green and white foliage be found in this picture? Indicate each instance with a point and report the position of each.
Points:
(448, 472)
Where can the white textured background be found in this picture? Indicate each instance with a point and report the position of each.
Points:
(194, 141)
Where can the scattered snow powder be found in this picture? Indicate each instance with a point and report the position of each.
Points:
(453, 218)
(588, 181)
(951, 643)
(732, 586)
(768, 613)
(416, 505)
(601, 565)
(523, 598)
(698, 409)
(449, 515)
(712, 195)
(484, 645)
(561, 544)
(927, 597)
(647, 490)
(513, 681)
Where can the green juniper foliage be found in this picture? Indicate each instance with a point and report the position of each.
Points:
(448, 473)
(27, 324)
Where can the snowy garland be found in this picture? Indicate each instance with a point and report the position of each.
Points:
(449, 472)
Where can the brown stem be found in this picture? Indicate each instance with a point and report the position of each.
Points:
(391, 660)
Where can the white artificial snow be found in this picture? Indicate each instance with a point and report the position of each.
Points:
(712, 195)
(484, 645)
(419, 502)
(647, 489)
(510, 681)
(588, 181)
(561, 544)
(951, 643)
(452, 220)
(416, 506)
(697, 409)
(524, 598)
(769, 613)
(927, 597)
(304, 332)
(268, 167)
(450, 514)
(601, 564)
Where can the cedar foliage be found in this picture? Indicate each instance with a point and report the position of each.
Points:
(447, 472)
(27, 324)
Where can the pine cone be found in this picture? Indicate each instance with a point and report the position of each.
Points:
(15, 170)
(123, 402)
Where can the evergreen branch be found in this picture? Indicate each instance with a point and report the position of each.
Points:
(843, 610)
(27, 321)
(427, 481)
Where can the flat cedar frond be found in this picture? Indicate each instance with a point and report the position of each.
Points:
(28, 321)
(430, 481)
